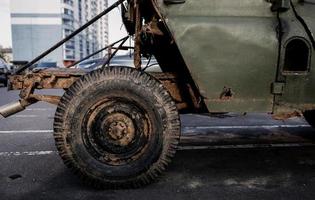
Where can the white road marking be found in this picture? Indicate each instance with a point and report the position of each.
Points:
(42, 153)
(24, 116)
(27, 153)
(27, 131)
(244, 146)
(29, 116)
(187, 128)
(247, 127)
(39, 109)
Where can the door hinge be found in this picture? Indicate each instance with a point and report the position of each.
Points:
(277, 87)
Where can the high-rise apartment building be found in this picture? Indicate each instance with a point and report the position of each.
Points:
(38, 24)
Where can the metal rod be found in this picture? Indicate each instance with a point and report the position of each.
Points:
(113, 54)
(124, 48)
(97, 17)
(99, 51)
(137, 50)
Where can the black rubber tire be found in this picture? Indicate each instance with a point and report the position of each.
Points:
(309, 116)
(90, 110)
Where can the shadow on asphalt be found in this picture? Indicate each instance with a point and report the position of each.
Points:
(261, 173)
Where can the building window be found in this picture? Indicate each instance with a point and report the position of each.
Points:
(68, 12)
(69, 2)
(69, 54)
(70, 44)
(67, 32)
(67, 22)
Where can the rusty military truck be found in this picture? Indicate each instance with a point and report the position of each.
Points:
(120, 126)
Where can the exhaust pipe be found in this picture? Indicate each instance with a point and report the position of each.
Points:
(12, 108)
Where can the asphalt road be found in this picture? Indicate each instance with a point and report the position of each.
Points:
(229, 157)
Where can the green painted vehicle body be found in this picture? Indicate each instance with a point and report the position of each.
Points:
(241, 53)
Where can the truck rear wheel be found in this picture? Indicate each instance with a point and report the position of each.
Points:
(117, 127)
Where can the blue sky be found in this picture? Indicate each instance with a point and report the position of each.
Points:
(116, 31)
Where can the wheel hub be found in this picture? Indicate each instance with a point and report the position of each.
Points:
(116, 131)
(120, 129)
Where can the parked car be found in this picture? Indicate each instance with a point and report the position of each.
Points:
(43, 66)
(4, 72)
(119, 60)
(91, 64)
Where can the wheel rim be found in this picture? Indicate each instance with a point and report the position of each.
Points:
(116, 131)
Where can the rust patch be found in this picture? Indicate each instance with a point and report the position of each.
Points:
(46, 79)
(137, 49)
(283, 116)
(46, 98)
(120, 128)
(226, 93)
(64, 78)
(152, 28)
